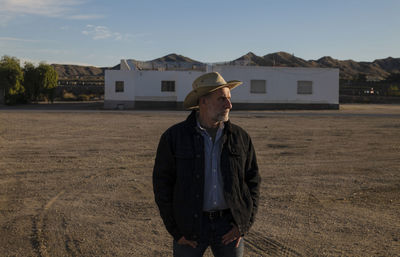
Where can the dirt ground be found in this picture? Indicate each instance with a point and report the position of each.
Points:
(78, 183)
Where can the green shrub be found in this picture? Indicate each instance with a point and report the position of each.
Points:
(393, 90)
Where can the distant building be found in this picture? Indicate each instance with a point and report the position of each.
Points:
(263, 87)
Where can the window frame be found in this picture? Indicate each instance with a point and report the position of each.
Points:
(305, 87)
(119, 86)
(255, 91)
(168, 86)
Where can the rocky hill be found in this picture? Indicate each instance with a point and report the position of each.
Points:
(175, 58)
(76, 71)
(349, 69)
(376, 70)
(171, 61)
(67, 71)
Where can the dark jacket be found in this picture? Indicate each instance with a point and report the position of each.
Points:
(178, 177)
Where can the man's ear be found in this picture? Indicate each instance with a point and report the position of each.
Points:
(202, 100)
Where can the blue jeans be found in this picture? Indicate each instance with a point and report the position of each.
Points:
(211, 235)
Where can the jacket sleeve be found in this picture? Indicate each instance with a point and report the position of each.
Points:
(253, 180)
(164, 176)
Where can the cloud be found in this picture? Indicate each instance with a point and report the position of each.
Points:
(86, 17)
(38, 7)
(65, 28)
(18, 39)
(10, 9)
(103, 32)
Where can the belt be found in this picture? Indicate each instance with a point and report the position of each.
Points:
(216, 214)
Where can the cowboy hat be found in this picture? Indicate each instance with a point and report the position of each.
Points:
(205, 84)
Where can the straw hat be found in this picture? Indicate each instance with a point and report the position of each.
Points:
(205, 84)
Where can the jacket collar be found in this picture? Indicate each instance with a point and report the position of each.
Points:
(191, 120)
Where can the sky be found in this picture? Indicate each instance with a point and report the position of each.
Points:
(102, 32)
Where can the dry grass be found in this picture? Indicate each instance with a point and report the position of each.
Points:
(79, 183)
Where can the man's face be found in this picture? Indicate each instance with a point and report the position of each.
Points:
(218, 105)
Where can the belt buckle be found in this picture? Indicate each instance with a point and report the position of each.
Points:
(214, 214)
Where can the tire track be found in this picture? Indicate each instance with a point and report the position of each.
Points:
(40, 225)
(264, 246)
(39, 240)
(71, 245)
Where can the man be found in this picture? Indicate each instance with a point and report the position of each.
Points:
(205, 178)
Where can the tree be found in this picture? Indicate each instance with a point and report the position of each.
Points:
(393, 90)
(11, 78)
(393, 77)
(37, 82)
(361, 77)
(31, 82)
(47, 80)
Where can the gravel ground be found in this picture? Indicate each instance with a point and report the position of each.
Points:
(77, 182)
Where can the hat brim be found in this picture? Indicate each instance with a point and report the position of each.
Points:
(192, 99)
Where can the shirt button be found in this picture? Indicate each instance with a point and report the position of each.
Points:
(196, 216)
(197, 196)
(197, 155)
(197, 176)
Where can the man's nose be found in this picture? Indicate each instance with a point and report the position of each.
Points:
(228, 104)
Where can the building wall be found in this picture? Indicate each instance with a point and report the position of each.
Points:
(142, 89)
(119, 100)
(148, 85)
(281, 84)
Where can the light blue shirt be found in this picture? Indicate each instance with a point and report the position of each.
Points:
(213, 184)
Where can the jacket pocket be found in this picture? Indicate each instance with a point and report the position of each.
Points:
(184, 159)
(236, 160)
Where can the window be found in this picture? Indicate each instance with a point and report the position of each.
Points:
(258, 86)
(304, 87)
(119, 86)
(167, 86)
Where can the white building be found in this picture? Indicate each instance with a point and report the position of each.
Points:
(263, 87)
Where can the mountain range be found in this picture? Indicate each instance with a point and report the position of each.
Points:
(349, 69)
